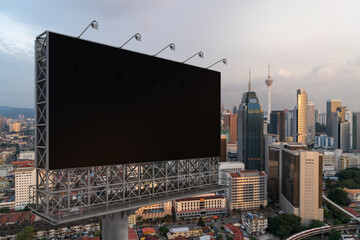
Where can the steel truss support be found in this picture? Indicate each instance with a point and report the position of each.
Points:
(70, 194)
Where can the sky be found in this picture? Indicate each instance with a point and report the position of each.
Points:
(314, 45)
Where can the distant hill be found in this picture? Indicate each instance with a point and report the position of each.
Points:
(12, 112)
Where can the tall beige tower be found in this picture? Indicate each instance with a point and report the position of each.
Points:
(302, 116)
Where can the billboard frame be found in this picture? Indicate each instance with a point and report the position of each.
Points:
(65, 195)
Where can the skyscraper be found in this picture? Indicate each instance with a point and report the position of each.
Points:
(250, 131)
(295, 180)
(331, 106)
(277, 124)
(311, 121)
(356, 131)
(341, 130)
(317, 117)
(269, 82)
(302, 117)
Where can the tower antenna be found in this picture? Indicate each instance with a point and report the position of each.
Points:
(249, 80)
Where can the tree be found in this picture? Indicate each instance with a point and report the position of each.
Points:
(98, 233)
(327, 215)
(201, 222)
(4, 210)
(163, 230)
(285, 225)
(27, 233)
(337, 222)
(316, 224)
(339, 196)
(139, 219)
(334, 235)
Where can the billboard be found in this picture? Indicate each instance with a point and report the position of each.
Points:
(110, 106)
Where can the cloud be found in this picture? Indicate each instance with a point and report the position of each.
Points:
(16, 38)
(321, 70)
(283, 73)
(356, 61)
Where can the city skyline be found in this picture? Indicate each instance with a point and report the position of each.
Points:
(309, 45)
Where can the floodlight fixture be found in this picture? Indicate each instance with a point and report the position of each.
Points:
(224, 60)
(137, 37)
(94, 24)
(171, 45)
(201, 55)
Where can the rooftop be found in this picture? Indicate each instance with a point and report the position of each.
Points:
(199, 197)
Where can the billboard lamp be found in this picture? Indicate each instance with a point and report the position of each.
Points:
(94, 24)
(201, 55)
(137, 37)
(222, 60)
(171, 45)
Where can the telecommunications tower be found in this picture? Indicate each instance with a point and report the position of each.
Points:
(269, 82)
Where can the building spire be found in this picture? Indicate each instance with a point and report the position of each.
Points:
(249, 80)
(269, 72)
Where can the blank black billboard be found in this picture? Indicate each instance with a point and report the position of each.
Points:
(110, 106)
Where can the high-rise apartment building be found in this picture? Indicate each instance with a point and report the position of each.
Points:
(302, 117)
(24, 178)
(250, 131)
(311, 121)
(356, 131)
(331, 107)
(277, 124)
(223, 148)
(247, 189)
(295, 180)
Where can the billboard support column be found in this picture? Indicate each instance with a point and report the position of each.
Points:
(115, 226)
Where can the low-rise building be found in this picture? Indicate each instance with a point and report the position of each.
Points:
(248, 190)
(349, 160)
(329, 170)
(131, 220)
(323, 141)
(254, 223)
(184, 231)
(154, 211)
(354, 195)
(200, 206)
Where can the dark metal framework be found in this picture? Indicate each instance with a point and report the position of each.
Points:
(70, 194)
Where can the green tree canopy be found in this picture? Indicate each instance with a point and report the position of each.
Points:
(316, 223)
(27, 233)
(285, 225)
(339, 196)
(334, 235)
(163, 230)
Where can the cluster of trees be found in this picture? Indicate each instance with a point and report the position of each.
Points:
(285, 225)
(349, 178)
(339, 196)
(335, 215)
(163, 230)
